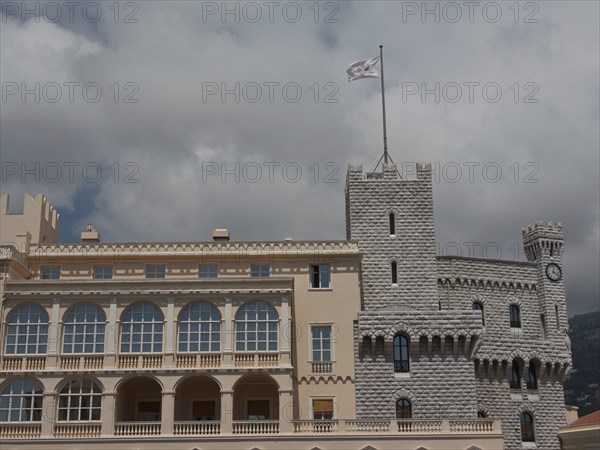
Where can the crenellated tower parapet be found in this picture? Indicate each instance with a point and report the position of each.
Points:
(38, 223)
(543, 239)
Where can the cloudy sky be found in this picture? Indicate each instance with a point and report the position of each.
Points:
(164, 120)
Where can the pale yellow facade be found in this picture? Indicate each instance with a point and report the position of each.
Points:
(229, 397)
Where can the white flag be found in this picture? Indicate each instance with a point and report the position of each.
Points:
(371, 68)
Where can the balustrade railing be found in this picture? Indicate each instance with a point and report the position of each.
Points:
(255, 427)
(340, 427)
(419, 426)
(472, 426)
(20, 430)
(82, 362)
(28, 363)
(256, 359)
(198, 361)
(197, 428)
(316, 426)
(77, 430)
(322, 366)
(137, 429)
(140, 361)
(368, 426)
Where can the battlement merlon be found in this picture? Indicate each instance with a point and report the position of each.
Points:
(39, 219)
(389, 173)
(543, 238)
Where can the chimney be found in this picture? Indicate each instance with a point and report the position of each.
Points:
(221, 234)
(90, 235)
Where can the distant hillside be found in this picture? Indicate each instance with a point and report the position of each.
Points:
(582, 387)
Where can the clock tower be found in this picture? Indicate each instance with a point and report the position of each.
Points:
(543, 244)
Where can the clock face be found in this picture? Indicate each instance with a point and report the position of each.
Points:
(553, 272)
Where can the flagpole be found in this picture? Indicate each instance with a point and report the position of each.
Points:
(385, 151)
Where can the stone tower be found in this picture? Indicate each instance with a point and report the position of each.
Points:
(392, 220)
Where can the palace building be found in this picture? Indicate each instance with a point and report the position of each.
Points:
(370, 343)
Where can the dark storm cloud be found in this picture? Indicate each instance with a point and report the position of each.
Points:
(547, 150)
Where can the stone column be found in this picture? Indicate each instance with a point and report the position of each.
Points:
(167, 413)
(286, 411)
(53, 334)
(286, 334)
(108, 413)
(228, 334)
(110, 338)
(226, 411)
(169, 332)
(49, 411)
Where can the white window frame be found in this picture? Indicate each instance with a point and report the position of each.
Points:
(256, 341)
(153, 323)
(79, 408)
(212, 324)
(50, 267)
(322, 397)
(16, 401)
(155, 266)
(310, 274)
(89, 328)
(261, 268)
(39, 337)
(103, 267)
(331, 340)
(208, 273)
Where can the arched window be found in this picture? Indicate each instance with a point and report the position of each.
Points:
(80, 400)
(256, 327)
(403, 409)
(515, 376)
(515, 316)
(379, 345)
(142, 329)
(448, 345)
(532, 377)
(83, 331)
(478, 306)
(392, 224)
(199, 328)
(21, 401)
(27, 331)
(401, 354)
(394, 269)
(527, 429)
(367, 345)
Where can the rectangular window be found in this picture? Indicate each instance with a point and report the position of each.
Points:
(321, 343)
(557, 317)
(320, 276)
(50, 272)
(208, 271)
(259, 410)
(322, 409)
(392, 224)
(394, 269)
(259, 270)
(543, 321)
(148, 411)
(156, 271)
(103, 272)
(204, 410)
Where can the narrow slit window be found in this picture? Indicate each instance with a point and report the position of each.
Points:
(557, 317)
(394, 269)
(392, 224)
